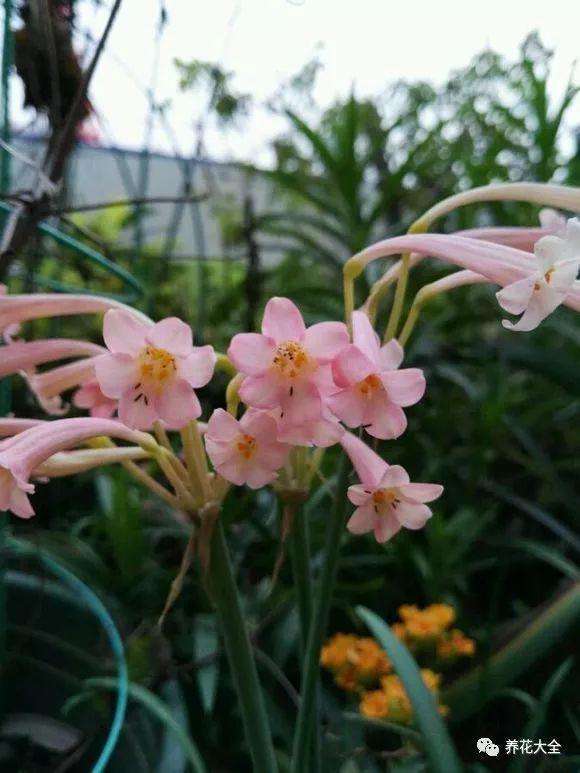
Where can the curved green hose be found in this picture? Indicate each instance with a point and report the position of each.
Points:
(93, 602)
(92, 255)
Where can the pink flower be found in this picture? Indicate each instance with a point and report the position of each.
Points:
(90, 397)
(22, 454)
(385, 499)
(153, 370)
(541, 292)
(245, 451)
(372, 391)
(287, 367)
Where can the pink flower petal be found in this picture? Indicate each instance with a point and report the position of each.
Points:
(177, 404)
(369, 466)
(136, 414)
(349, 406)
(515, 297)
(198, 367)
(404, 387)
(173, 335)
(395, 476)
(283, 321)
(251, 353)
(365, 337)
(542, 303)
(234, 470)
(20, 504)
(219, 451)
(222, 426)
(323, 380)
(362, 520)
(386, 527)
(359, 494)
(383, 419)
(258, 476)
(326, 340)
(412, 516)
(303, 405)
(421, 492)
(123, 333)
(259, 424)
(271, 455)
(391, 355)
(116, 373)
(260, 391)
(352, 366)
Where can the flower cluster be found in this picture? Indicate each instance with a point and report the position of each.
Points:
(361, 667)
(391, 701)
(303, 388)
(356, 662)
(429, 630)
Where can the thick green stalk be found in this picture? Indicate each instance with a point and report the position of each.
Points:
(321, 608)
(239, 651)
(299, 541)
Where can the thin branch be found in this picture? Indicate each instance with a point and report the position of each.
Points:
(131, 203)
(56, 158)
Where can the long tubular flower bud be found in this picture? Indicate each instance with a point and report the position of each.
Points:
(11, 427)
(22, 454)
(15, 309)
(48, 386)
(25, 355)
(520, 238)
(546, 195)
(66, 463)
(498, 263)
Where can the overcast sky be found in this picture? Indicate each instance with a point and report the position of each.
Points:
(365, 42)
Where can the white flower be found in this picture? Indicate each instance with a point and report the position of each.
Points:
(536, 296)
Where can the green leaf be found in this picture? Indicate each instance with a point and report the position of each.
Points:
(436, 740)
(159, 710)
(534, 726)
(546, 553)
(206, 643)
(469, 693)
(382, 724)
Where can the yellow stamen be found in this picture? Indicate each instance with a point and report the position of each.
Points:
(384, 499)
(368, 386)
(156, 367)
(291, 360)
(246, 445)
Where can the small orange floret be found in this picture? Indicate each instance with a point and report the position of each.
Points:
(454, 645)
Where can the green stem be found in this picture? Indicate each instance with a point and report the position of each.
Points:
(239, 651)
(300, 557)
(299, 541)
(393, 323)
(322, 602)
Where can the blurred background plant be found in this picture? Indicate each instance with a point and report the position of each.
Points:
(499, 426)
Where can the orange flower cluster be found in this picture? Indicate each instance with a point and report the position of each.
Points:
(391, 700)
(431, 628)
(357, 662)
(361, 666)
